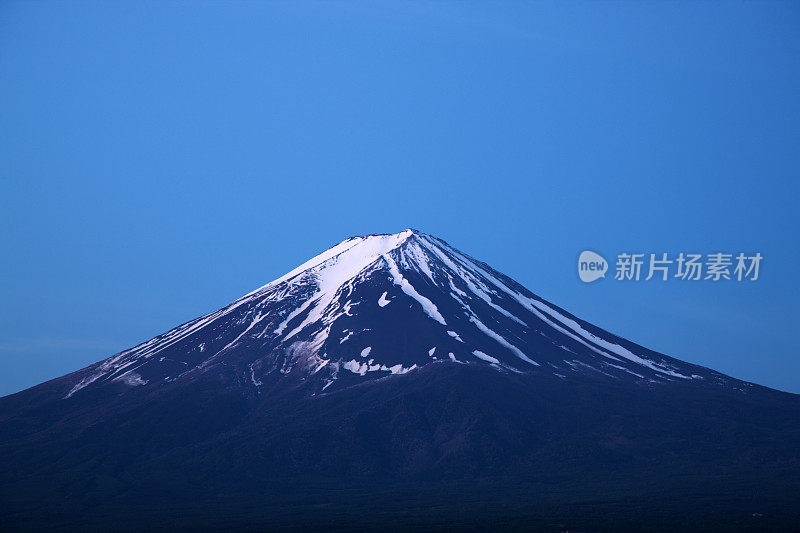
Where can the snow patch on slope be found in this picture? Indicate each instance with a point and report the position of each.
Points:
(501, 340)
(427, 305)
(480, 355)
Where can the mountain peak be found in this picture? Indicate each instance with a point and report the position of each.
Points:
(406, 232)
(382, 304)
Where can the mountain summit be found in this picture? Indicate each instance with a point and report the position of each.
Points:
(378, 305)
(393, 381)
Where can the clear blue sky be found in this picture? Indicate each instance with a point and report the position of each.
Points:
(160, 159)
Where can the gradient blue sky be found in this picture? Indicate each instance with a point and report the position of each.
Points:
(160, 159)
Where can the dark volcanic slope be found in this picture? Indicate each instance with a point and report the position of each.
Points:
(394, 381)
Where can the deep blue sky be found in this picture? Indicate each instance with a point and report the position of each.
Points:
(158, 160)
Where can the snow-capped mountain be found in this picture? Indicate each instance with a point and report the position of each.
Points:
(384, 304)
(393, 382)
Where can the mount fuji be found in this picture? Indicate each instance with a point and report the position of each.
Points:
(376, 306)
(394, 381)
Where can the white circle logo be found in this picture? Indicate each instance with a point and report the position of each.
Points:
(591, 266)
